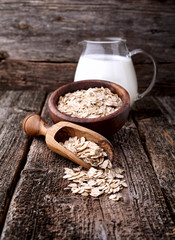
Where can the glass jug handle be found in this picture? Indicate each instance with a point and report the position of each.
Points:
(136, 51)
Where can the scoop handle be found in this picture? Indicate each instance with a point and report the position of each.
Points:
(34, 125)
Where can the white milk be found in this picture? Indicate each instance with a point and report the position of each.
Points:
(112, 68)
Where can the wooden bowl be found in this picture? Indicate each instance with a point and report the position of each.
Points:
(107, 125)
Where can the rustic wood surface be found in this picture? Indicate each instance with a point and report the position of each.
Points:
(41, 209)
(13, 142)
(158, 139)
(39, 51)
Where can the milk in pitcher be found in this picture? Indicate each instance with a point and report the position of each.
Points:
(114, 68)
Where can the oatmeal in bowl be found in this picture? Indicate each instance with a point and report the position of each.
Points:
(91, 103)
(100, 105)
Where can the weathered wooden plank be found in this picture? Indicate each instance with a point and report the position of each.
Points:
(29, 75)
(158, 135)
(21, 75)
(42, 209)
(50, 31)
(160, 5)
(14, 106)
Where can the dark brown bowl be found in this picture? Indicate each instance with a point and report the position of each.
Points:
(107, 125)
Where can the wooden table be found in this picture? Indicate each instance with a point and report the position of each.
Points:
(34, 204)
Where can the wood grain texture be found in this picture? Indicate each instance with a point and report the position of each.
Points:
(18, 75)
(42, 209)
(25, 75)
(14, 143)
(51, 30)
(158, 136)
(149, 5)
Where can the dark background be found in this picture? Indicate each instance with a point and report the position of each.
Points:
(39, 39)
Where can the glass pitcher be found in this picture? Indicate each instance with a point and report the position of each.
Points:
(110, 60)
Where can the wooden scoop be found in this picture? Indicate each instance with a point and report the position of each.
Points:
(34, 126)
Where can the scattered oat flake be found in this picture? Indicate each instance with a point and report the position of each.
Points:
(95, 192)
(85, 194)
(72, 185)
(118, 170)
(124, 184)
(119, 176)
(104, 164)
(77, 169)
(115, 197)
(95, 183)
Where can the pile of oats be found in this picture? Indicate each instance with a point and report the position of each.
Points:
(93, 182)
(91, 103)
(96, 182)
